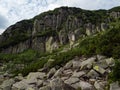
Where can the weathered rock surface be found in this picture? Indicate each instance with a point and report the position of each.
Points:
(66, 77)
(47, 31)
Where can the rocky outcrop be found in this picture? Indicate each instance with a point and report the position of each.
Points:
(79, 73)
(62, 25)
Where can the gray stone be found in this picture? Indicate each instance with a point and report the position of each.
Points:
(99, 69)
(39, 83)
(68, 65)
(114, 86)
(76, 64)
(92, 74)
(99, 85)
(45, 88)
(72, 80)
(58, 73)
(110, 61)
(86, 86)
(36, 75)
(68, 72)
(100, 57)
(51, 73)
(78, 74)
(88, 62)
(58, 84)
(6, 85)
(22, 85)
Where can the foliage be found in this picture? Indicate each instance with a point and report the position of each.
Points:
(115, 74)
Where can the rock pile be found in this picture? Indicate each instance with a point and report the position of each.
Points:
(78, 74)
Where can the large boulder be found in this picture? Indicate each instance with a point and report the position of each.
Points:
(36, 75)
(99, 69)
(86, 86)
(7, 84)
(115, 86)
(78, 74)
(72, 80)
(100, 85)
(22, 85)
(51, 73)
(88, 63)
(92, 74)
(58, 84)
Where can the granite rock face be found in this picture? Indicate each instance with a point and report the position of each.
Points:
(64, 25)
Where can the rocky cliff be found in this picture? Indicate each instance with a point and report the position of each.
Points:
(63, 49)
(51, 29)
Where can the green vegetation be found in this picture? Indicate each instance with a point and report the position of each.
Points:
(115, 74)
(106, 43)
(19, 32)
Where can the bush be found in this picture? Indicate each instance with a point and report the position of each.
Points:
(115, 74)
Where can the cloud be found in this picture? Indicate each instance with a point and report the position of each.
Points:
(16, 10)
(3, 22)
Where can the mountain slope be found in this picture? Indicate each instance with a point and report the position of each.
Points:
(89, 40)
(59, 24)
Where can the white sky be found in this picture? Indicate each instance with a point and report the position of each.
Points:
(12, 11)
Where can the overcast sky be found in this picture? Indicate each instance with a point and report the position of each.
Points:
(12, 11)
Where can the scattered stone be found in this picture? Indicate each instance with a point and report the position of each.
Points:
(110, 61)
(114, 86)
(68, 65)
(87, 62)
(99, 85)
(58, 84)
(76, 64)
(45, 88)
(78, 74)
(51, 73)
(100, 57)
(72, 80)
(36, 75)
(86, 86)
(6, 85)
(22, 85)
(39, 83)
(68, 72)
(92, 74)
(99, 69)
(58, 73)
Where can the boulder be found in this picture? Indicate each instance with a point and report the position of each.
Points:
(68, 72)
(86, 86)
(76, 64)
(102, 64)
(68, 65)
(58, 84)
(58, 73)
(45, 88)
(36, 75)
(99, 85)
(110, 61)
(100, 57)
(87, 63)
(92, 74)
(39, 83)
(99, 69)
(72, 80)
(22, 85)
(78, 74)
(7, 84)
(51, 73)
(115, 86)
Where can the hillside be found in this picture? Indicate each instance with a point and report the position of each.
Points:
(88, 41)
